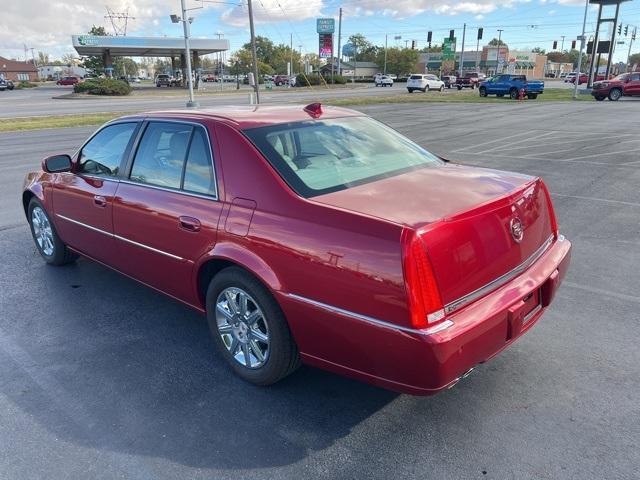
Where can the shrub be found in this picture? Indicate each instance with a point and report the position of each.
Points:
(25, 84)
(103, 86)
(337, 79)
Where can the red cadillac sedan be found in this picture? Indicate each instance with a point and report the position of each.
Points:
(309, 235)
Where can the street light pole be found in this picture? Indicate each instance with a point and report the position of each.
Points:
(582, 44)
(385, 53)
(185, 21)
(253, 51)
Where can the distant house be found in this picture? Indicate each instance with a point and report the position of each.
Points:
(351, 69)
(56, 72)
(17, 71)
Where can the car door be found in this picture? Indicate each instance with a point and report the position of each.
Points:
(633, 87)
(166, 212)
(83, 198)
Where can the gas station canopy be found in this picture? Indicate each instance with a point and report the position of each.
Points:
(144, 46)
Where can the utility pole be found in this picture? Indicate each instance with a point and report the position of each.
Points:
(290, 72)
(633, 35)
(385, 53)
(253, 52)
(582, 44)
(594, 52)
(478, 53)
(339, 39)
(464, 31)
(498, 50)
(562, 44)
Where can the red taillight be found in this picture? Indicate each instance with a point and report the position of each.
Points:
(552, 213)
(425, 303)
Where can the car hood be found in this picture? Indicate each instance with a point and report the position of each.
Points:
(426, 195)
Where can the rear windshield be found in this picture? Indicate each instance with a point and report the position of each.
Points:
(321, 156)
(416, 77)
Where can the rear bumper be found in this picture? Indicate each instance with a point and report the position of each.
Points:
(419, 362)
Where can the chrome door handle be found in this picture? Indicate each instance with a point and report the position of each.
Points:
(99, 201)
(190, 224)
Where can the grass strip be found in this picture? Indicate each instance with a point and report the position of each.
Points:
(464, 96)
(57, 121)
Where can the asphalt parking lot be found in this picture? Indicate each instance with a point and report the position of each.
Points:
(103, 378)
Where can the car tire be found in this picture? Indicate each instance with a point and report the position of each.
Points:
(532, 96)
(615, 94)
(599, 98)
(513, 94)
(410, 90)
(426, 89)
(44, 234)
(483, 92)
(442, 88)
(473, 86)
(459, 88)
(269, 333)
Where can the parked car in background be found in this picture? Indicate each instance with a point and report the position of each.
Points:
(208, 77)
(625, 85)
(281, 80)
(470, 80)
(348, 247)
(563, 75)
(166, 80)
(584, 78)
(449, 80)
(68, 81)
(3, 85)
(383, 81)
(511, 85)
(424, 83)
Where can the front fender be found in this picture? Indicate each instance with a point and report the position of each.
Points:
(33, 186)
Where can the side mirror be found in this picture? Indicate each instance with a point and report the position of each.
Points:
(57, 164)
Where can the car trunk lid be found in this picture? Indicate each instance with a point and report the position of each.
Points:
(470, 220)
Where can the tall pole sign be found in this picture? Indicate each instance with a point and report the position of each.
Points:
(325, 28)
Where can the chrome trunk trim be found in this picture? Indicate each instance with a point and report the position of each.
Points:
(500, 281)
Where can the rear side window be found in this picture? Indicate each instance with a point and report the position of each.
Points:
(103, 154)
(416, 77)
(161, 154)
(175, 155)
(198, 173)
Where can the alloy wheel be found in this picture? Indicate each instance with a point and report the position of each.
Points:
(42, 231)
(242, 327)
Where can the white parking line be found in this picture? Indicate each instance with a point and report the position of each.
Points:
(476, 145)
(506, 147)
(562, 160)
(601, 291)
(594, 199)
(586, 146)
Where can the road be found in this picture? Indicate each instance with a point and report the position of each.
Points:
(40, 101)
(103, 378)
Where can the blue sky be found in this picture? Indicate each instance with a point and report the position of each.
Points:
(526, 23)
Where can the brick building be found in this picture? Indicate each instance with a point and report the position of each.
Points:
(18, 71)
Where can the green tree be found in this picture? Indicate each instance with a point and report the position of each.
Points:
(634, 59)
(43, 58)
(538, 50)
(495, 42)
(271, 58)
(94, 63)
(400, 61)
(433, 49)
(124, 66)
(365, 50)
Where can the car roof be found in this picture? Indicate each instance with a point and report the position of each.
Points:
(250, 116)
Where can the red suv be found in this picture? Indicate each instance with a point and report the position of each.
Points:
(68, 81)
(627, 84)
(281, 80)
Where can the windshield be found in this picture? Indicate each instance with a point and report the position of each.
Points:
(621, 78)
(322, 156)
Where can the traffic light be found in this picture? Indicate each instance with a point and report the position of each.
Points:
(413, 44)
(573, 45)
(480, 30)
(555, 45)
(619, 29)
(451, 34)
(626, 30)
(429, 36)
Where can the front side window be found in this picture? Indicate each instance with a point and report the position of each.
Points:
(323, 156)
(103, 154)
(161, 154)
(635, 77)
